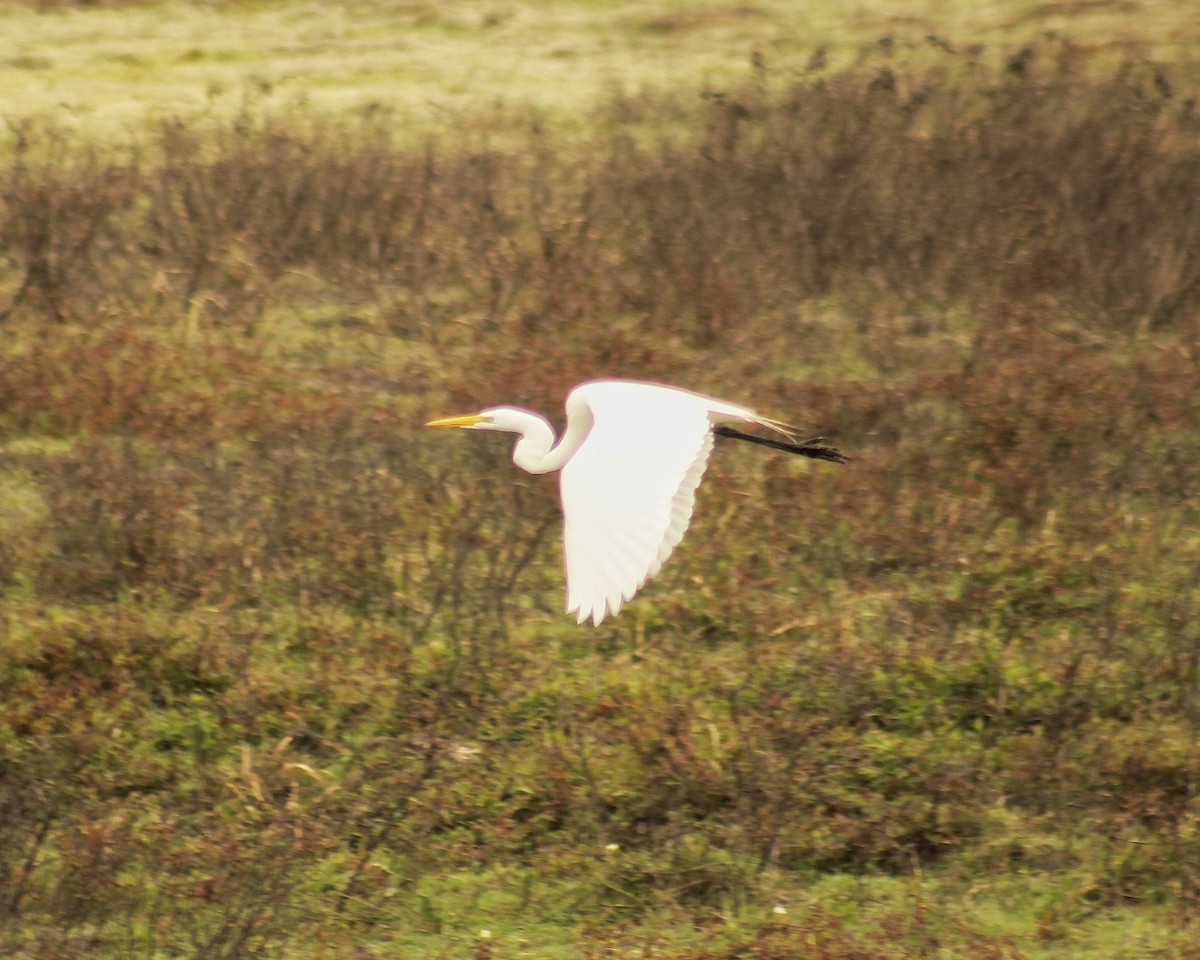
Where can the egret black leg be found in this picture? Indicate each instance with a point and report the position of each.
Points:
(816, 448)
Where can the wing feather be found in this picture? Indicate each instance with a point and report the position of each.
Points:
(683, 504)
(629, 490)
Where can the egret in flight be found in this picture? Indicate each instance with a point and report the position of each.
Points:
(630, 460)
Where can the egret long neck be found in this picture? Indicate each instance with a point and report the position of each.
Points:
(536, 451)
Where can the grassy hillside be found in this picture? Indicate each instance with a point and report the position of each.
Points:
(103, 66)
(283, 674)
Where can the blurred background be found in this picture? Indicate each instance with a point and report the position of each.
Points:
(284, 675)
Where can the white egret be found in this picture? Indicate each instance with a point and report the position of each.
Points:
(630, 459)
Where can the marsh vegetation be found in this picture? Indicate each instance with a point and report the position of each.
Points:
(282, 676)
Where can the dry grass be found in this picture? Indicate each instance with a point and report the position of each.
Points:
(105, 66)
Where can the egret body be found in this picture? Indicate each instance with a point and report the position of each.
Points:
(629, 463)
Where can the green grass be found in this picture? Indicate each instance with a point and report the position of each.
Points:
(516, 914)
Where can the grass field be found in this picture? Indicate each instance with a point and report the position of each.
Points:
(105, 66)
(283, 674)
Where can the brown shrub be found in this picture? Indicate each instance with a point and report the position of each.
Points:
(64, 223)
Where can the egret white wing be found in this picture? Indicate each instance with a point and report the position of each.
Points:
(628, 491)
